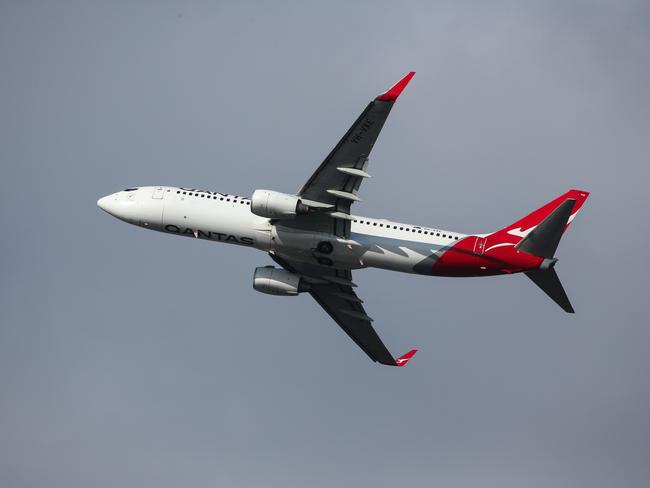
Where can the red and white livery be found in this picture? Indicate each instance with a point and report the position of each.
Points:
(316, 241)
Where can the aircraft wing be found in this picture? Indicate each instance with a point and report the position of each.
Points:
(333, 290)
(334, 185)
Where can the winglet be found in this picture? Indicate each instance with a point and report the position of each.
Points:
(405, 359)
(394, 92)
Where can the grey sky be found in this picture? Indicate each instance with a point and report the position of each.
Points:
(134, 359)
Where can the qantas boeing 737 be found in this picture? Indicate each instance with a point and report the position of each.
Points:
(317, 242)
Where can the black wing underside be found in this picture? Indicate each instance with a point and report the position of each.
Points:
(336, 182)
(338, 299)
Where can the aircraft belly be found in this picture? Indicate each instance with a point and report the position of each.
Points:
(359, 251)
(396, 254)
(304, 246)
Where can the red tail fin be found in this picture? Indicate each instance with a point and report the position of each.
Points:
(522, 227)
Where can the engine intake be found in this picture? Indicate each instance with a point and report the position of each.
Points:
(276, 281)
(276, 205)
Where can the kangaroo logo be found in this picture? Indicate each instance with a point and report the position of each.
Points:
(521, 232)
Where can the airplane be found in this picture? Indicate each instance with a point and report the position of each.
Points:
(316, 241)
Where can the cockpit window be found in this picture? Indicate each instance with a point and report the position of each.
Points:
(131, 189)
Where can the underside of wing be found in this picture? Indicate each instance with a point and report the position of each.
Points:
(335, 183)
(333, 290)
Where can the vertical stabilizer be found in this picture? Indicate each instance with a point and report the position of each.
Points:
(524, 226)
(543, 240)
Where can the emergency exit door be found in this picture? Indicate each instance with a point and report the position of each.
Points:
(479, 245)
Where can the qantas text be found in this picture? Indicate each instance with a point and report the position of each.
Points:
(215, 236)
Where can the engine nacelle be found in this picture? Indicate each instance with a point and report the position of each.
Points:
(276, 205)
(276, 281)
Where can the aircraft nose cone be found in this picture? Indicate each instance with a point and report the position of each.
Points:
(101, 203)
(113, 205)
(117, 206)
(134, 207)
(105, 203)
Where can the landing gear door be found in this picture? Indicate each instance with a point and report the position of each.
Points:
(479, 245)
(158, 193)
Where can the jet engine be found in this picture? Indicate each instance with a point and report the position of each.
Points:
(275, 281)
(276, 205)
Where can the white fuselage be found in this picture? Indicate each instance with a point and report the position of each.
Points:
(226, 218)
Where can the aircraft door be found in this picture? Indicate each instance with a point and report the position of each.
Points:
(479, 245)
(158, 193)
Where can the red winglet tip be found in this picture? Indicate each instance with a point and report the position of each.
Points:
(394, 92)
(405, 359)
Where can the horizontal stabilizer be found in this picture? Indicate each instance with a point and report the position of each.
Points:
(550, 284)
